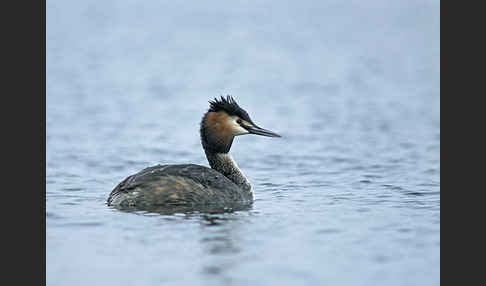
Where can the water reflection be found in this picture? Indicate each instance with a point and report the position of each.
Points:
(221, 245)
(219, 236)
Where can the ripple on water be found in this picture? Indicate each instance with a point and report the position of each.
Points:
(414, 193)
(392, 187)
(81, 224)
(72, 189)
(429, 184)
(329, 230)
(372, 176)
(270, 185)
(52, 215)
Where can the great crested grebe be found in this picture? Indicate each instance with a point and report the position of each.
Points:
(193, 186)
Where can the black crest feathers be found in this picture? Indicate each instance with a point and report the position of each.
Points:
(229, 106)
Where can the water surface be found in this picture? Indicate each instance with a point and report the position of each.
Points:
(350, 195)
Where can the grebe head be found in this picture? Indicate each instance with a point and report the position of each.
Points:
(224, 120)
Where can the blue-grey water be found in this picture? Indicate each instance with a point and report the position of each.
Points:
(350, 195)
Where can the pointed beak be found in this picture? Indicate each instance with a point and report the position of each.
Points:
(260, 131)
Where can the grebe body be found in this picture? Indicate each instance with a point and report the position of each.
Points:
(195, 187)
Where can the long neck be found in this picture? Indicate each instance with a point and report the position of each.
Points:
(223, 163)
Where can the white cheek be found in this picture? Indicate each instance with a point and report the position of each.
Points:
(240, 130)
(237, 129)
